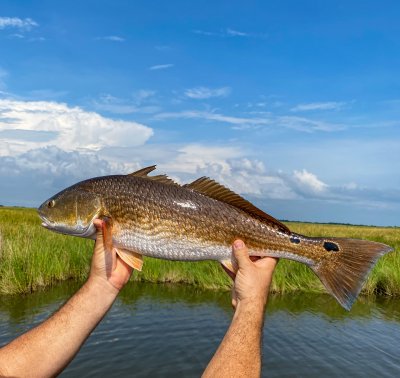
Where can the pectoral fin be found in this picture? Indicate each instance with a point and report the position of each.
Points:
(133, 259)
(107, 234)
(108, 246)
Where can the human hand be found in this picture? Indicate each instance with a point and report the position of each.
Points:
(253, 278)
(107, 268)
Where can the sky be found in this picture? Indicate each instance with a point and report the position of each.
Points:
(293, 104)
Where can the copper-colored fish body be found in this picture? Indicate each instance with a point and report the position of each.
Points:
(153, 216)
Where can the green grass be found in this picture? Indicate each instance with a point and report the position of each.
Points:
(32, 257)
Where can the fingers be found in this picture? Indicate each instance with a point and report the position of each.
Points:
(241, 253)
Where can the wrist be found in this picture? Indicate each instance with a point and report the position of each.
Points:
(258, 300)
(254, 305)
(253, 302)
(250, 312)
(100, 285)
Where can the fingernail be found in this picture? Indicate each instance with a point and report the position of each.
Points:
(238, 244)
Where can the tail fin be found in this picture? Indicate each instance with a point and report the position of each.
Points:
(344, 275)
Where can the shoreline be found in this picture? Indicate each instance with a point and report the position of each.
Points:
(32, 258)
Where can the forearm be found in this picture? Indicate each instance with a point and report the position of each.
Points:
(239, 354)
(47, 349)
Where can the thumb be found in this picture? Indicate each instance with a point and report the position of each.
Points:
(241, 253)
(98, 223)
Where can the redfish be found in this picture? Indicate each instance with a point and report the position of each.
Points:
(154, 216)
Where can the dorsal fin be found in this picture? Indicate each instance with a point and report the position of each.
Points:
(219, 192)
(164, 179)
(160, 178)
(143, 172)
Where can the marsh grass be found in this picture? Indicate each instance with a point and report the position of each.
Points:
(31, 257)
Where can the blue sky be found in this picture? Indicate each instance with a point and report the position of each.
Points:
(294, 104)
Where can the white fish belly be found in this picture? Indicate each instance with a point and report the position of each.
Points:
(163, 246)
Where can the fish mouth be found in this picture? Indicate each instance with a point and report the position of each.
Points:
(46, 222)
(85, 232)
(53, 226)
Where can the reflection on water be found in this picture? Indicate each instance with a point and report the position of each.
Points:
(170, 330)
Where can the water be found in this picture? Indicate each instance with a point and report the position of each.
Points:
(171, 330)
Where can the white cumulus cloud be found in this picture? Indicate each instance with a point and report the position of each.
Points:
(309, 181)
(229, 166)
(193, 158)
(26, 125)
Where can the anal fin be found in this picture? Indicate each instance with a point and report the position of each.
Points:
(133, 259)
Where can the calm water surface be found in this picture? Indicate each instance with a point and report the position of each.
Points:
(169, 331)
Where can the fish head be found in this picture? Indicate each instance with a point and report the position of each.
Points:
(71, 211)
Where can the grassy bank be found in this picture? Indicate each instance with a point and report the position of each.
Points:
(31, 256)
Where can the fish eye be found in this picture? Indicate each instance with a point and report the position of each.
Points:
(51, 203)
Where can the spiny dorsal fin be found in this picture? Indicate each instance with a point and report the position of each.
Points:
(160, 178)
(143, 172)
(219, 192)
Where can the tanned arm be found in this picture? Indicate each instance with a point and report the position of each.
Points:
(47, 349)
(239, 354)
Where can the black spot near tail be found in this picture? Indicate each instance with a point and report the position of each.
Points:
(331, 247)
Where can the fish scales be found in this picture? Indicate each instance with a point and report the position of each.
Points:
(173, 213)
(153, 216)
